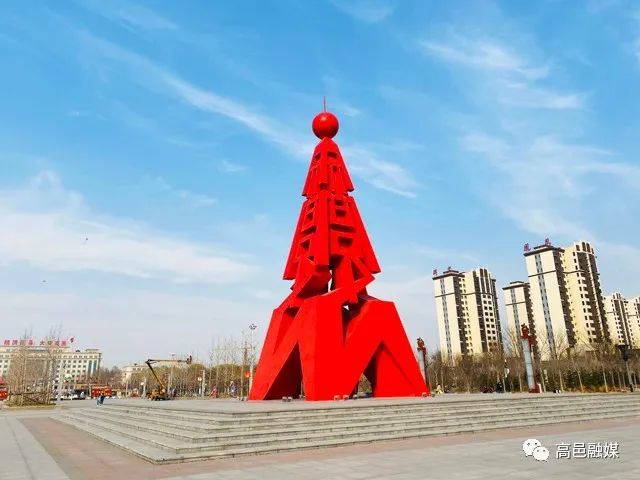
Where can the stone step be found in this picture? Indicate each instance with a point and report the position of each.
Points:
(131, 445)
(199, 433)
(182, 443)
(302, 415)
(345, 406)
(158, 455)
(214, 421)
(241, 433)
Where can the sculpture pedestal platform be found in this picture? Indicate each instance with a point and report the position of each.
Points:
(190, 430)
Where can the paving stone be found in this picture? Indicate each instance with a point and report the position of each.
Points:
(481, 460)
(22, 457)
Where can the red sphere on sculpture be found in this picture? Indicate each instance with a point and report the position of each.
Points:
(324, 125)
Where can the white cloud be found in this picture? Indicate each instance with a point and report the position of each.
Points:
(537, 170)
(129, 15)
(46, 225)
(620, 268)
(159, 79)
(191, 144)
(446, 255)
(540, 182)
(347, 109)
(487, 56)
(85, 114)
(368, 11)
(599, 6)
(522, 95)
(208, 101)
(124, 325)
(412, 293)
(190, 198)
(139, 17)
(509, 76)
(231, 167)
(382, 174)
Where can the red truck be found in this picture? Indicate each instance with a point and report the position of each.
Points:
(97, 391)
(4, 391)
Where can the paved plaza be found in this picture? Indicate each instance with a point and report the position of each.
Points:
(34, 446)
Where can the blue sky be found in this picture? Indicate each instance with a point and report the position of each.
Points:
(153, 153)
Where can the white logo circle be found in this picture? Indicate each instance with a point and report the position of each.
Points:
(529, 445)
(541, 453)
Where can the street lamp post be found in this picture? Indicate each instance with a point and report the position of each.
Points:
(505, 377)
(170, 383)
(624, 350)
(422, 348)
(252, 327)
(61, 376)
(243, 354)
(528, 340)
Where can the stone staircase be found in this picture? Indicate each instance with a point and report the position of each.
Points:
(167, 434)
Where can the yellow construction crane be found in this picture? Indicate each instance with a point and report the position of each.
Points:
(161, 392)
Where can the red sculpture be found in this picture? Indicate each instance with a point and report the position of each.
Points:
(329, 331)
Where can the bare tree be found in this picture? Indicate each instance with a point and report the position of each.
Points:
(466, 370)
(30, 376)
(515, 358)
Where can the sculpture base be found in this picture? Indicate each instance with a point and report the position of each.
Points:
(323, 348)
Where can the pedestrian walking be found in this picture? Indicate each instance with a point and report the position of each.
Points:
(102, 399)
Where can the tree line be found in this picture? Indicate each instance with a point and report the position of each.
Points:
(226, 372)
(594, 367)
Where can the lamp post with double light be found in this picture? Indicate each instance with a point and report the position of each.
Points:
(624, 351)
(252, 328)
(422, 348)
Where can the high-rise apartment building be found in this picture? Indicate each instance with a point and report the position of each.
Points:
(481, 294)
(467, 312)
(615, 306)
(568, 310)
(517, 300)
(454, 329)
(585, 294)
(549, 299)
(633, 317)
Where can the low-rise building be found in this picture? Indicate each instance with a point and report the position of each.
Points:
(66, 362)
(129, 370)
